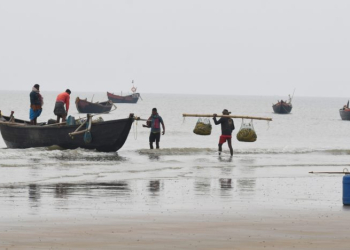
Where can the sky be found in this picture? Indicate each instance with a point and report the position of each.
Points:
(256, 47)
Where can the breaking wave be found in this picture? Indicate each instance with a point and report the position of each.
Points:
(201, 151)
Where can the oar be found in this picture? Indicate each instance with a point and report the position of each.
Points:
(136, 118)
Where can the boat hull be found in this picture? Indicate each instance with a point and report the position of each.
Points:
(84, 106)
(345, 115)
(282, 109)
(123, 99)
(108, 136)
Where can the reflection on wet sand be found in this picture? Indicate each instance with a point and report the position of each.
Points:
(34, 192)
(225, 159)
(64, 190)
(202, 186)
(225, 187)
(154, 186)
(131, 194)
(225, 183)
(153, 157)
(246, 185)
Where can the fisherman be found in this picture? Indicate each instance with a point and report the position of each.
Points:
(227, 126)
(59, 110)
(154, 122)
(36, 103)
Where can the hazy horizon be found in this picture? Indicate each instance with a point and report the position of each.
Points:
(183, 47)
(189, 94)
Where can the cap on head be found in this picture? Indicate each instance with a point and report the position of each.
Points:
(154, 109)
(68, 91)
(226, 112)
(37, 86)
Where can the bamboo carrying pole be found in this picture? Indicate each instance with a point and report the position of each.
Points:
(228, 116)
(329, 172)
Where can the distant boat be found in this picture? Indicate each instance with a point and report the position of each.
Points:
(106, 136)
(133, 98)
(283, 107)
(345, 112)
(84, 106)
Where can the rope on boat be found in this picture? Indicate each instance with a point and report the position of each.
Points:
(135, 132)
(136, 119)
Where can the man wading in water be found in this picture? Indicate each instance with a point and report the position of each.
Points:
(36, 103)
(59, 110)
(154, 122)
(227, 126)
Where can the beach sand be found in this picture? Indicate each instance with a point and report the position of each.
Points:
(266, 229)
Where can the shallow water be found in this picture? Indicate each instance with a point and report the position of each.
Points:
(186, 174)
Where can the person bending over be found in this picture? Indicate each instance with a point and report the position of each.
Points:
(59, 110)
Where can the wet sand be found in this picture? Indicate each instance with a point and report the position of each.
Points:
(272, 229)
(189, 207)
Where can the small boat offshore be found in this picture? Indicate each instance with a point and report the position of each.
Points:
(283, 107)
(345, 112)
(105, 136)
(84, 106)
(133, 98)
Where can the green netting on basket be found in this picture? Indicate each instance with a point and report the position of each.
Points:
(203, 127)
(246, 133)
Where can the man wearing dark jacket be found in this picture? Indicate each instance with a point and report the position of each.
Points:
(36, 103)
(154, 122)
(227, 126)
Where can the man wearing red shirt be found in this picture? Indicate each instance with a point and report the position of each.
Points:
(59, 110)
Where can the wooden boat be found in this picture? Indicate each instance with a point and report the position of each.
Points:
(106, 136)
(282, 107)
(345, 114)
(84, 106)
(133, 98)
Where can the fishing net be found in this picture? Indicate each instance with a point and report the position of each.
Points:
(203, 127)
(80, 121)
(246, 133)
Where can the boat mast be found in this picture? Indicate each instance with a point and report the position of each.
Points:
(291, 98)
(133, 89)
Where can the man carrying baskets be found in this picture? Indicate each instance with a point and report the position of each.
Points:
(227, 126)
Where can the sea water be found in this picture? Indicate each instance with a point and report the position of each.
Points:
(186, 173)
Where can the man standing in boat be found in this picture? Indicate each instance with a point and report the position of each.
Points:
(36, 103)
(59, 110)
(227, 126)
(154, 122)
